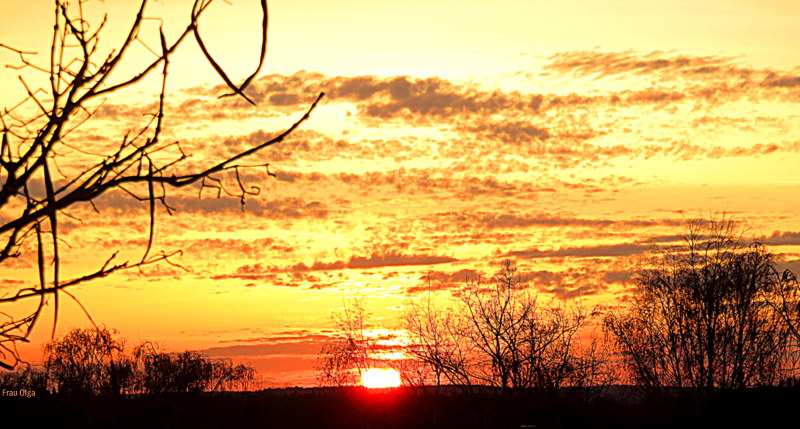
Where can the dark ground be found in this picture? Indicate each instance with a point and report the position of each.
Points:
(620, 407)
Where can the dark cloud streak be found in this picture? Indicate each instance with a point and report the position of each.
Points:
(612, 250)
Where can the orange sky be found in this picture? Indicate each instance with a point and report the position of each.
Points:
(564, 135)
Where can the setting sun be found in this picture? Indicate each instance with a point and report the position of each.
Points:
(375, 378)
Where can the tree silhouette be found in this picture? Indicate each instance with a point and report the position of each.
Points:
(785, 299)
(93, 361)
(700, 316)
(39, 154)
(497, 333)
(88, 362)
(159, 372)
(343, 361)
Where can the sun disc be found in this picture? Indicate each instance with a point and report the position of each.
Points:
(376, 378)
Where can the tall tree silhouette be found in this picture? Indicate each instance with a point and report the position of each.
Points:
(38, 139)
(497, 333)
(89, 362)
(700, 316)
(342, 361)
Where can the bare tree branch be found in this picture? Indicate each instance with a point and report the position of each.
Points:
(33, 198)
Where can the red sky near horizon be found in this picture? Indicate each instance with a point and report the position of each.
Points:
(568, 137)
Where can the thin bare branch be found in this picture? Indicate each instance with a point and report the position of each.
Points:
(35, 143)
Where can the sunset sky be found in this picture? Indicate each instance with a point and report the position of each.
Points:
(567, 136)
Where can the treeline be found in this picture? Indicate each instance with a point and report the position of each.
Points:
(709, 312)
(93, 362)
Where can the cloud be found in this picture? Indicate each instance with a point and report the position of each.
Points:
(563, 292)
(792, 265)
(513, 130)
(319, 266)
(613, 250)
(441, 280)
(430, 97)
(392, 260)
(623, 277)
(290, 343)
(249, 247)
(305, 145)
(457, 276)
(280, 208)
(265, 275)
(618, 63)
(783, 238)
(690, 78)
(249, 272)
(14, 284)
(377, 260)
(309, 347)
(284, 99)
(428, 100)
(295, 335)
(377, 97)
(314, 276)
(652, 96)
(433, 181)
(414, 181)
(627, 249)
(508, 131)
(513, 219)
(782, 81)
(569, 283)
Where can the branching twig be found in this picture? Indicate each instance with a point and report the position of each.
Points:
(32, 199)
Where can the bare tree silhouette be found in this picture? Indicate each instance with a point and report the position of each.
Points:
(343, 361)
(89, 362)
(158, 372)
(700, 316)
(497, 333)
(38, 137)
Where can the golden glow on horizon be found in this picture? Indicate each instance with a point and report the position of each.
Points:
(380, 378)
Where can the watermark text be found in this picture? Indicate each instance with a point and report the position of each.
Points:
(17, 393)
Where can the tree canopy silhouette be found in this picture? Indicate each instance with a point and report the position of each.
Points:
(88, 362)
(159, 372)
(95, 361)
(38, 178)
(701, 316)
